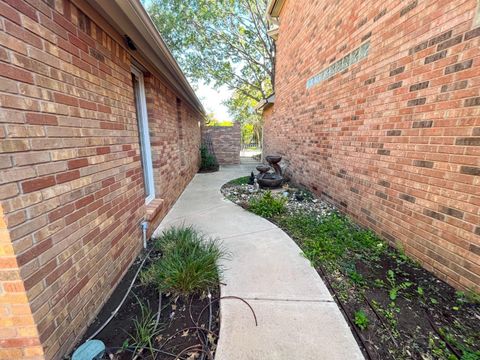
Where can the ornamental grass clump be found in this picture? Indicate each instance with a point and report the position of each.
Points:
(189, 262)
(146, 328)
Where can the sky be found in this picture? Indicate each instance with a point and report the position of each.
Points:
(212, 100)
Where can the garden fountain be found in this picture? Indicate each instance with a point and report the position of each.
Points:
(268, 179)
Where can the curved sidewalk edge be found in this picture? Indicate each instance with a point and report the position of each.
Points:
(297, 316)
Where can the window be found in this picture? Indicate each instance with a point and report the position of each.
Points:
(141, 107)
(180, 132)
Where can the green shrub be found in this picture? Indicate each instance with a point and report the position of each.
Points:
(208, 161)
(189, 263)
(361, 319)
(268, 205)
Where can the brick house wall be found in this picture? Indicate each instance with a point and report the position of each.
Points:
(267, 115)
(226, 142)
(71, 184)
(394, 139)
(175, 140)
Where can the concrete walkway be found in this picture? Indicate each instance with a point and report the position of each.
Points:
(297, 317)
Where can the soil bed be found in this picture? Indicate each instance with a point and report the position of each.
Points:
(178, 319)
(395, 308)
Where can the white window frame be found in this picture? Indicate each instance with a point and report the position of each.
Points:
(146, 150)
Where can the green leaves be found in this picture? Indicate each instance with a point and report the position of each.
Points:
(208, 160)
(361, 319)
(268, 205)
(145, 329)
(189, 263)
(223, 43)
(394, 287)
(240, 181)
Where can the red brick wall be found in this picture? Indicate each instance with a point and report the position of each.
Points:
(267, 115)
(226, 142)
(394, 140)
(71, 186)
(174, 139)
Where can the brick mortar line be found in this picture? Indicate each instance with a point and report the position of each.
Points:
(401, 222)
(433, 202)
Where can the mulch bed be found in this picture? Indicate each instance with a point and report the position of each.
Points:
(178, 320)
(411, 313)
(438, 324)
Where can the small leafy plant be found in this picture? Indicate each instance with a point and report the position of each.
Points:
(396, 288)
(189, 263)
(361, 319)
(145, 330)
(356, 277)
(267, 205)
(208, 160)
(469, 297)
(379, 283)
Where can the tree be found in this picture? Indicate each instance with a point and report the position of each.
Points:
(243, 109)
(223, 43)
(212, 120)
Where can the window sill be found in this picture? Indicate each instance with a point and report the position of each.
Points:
(153, 208)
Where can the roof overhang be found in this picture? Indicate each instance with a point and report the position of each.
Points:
(130, 18)
(273, 32)
(274, 7)
(265, 103)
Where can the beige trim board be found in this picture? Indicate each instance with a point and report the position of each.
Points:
(476, 19)
(274, 7)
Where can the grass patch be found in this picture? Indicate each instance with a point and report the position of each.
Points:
(333, 239)
(405, 311)
(189, 263)
(145, 330)
(267, 205)
(239, 181)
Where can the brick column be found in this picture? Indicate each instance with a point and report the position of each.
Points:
(18, 333)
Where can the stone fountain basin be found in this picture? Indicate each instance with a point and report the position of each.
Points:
(263, 168)
(273, 159)
(270, 181)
